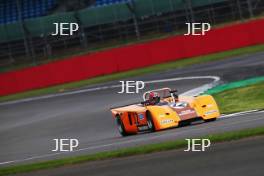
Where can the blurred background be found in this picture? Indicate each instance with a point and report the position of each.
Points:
(26, 25)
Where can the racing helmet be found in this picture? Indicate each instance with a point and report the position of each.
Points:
(154, 97)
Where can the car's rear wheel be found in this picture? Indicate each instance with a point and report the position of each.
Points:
(151, 125)
(121, 127)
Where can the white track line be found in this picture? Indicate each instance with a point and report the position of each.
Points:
(207, 86)
(240, 113)
(134, 140)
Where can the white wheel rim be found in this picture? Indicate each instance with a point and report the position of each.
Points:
(149, 124)
(119, 126)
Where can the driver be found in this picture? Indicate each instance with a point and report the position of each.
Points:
(176, 97)
(154, 98)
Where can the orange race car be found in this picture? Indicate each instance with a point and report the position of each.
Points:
(162, 109)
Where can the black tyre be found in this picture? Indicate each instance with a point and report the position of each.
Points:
(210, 120)
(150, 122)
(121, 127)
(184, 123)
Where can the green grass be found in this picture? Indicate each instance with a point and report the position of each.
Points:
(137, 72)
(241, 99)
(178, 144)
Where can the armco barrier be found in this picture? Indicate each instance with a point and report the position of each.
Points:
(132, 57)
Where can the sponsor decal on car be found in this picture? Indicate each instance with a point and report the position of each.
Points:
(141, 116)
(189, 111)
(167, 121)
(210, 112)
(179, 105)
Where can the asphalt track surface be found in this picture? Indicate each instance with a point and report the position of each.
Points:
(243, 158)
(27, 129)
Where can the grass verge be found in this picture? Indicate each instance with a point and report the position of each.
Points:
(152, 69)
(241, 99)
(228, 136)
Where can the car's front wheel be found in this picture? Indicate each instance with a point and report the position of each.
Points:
(151, 125)
(121, 127)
